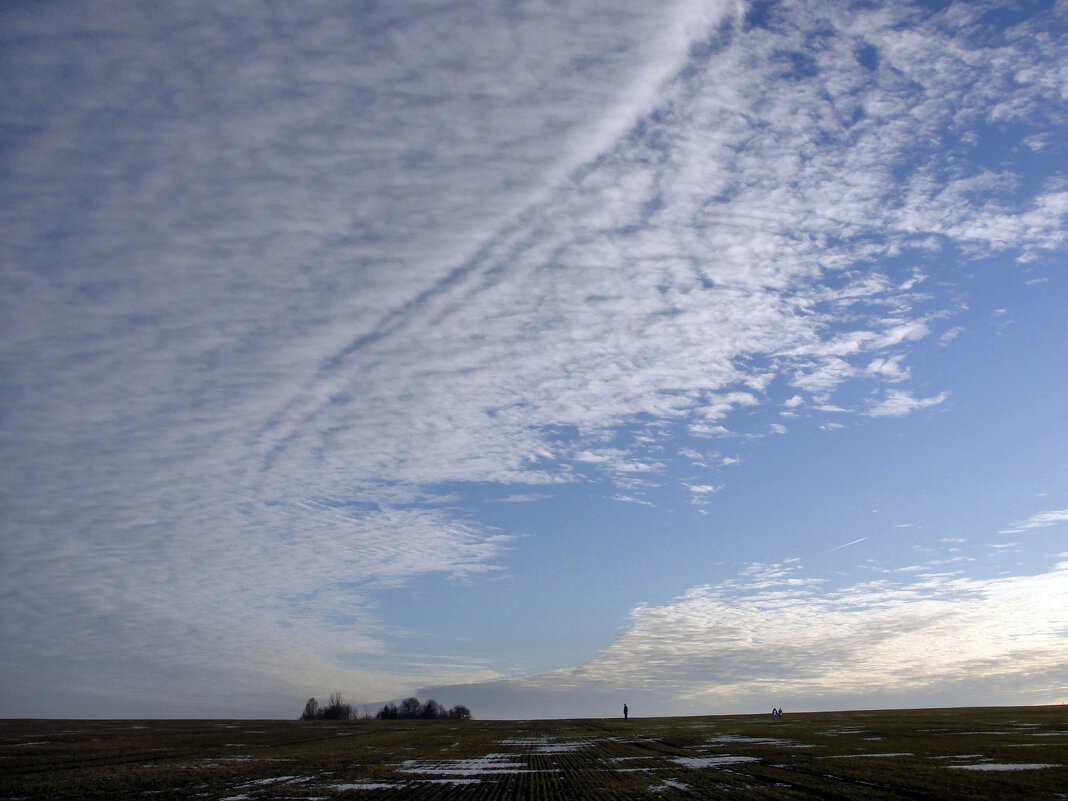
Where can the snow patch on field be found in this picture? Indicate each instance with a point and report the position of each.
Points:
(560, 748)
(487, 765)
(730, 739)
(712, 762)
(856, 756)
(276, 780)
(1003, 766)
(541, 745)
(668, 784)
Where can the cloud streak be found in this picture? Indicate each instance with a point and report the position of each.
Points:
(846, 545)
(1039, 520)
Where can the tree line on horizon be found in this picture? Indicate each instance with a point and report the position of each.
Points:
(408, 709)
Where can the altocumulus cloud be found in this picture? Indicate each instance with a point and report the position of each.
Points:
(275, 276)
(213, 223)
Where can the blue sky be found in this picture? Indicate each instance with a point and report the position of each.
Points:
(700, 355)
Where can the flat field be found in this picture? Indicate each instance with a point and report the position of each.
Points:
(945, 754)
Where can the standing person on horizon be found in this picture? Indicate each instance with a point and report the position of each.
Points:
(626, 712)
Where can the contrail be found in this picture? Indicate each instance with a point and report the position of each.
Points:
(840, 547)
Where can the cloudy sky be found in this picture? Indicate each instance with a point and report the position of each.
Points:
(539, 356)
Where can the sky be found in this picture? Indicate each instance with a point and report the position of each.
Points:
(704, 356)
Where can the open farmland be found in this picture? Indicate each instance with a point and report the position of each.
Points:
(912, 754)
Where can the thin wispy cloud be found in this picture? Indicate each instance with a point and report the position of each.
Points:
(1040, 520)
(529, 497)
(847, 544)
(898, 403)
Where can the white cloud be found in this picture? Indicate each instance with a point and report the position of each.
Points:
(950, 335)
(774, 634)
(631, 499)
(702, 430)
(529, 497)
(701, 490)
(898, 403)
(821, 378)
(890, 368)
(1040, 520)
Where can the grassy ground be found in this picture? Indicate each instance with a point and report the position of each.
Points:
(949, 754)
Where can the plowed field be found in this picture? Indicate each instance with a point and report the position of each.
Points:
(945, 754)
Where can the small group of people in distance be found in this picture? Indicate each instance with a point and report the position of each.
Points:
(776, 713)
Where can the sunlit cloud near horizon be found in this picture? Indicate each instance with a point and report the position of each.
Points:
(706, 355)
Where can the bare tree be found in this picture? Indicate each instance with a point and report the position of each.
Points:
(410, 708)
(388, 712)
(337, 709)
(311, 710)
(431, 710)
(459, 712)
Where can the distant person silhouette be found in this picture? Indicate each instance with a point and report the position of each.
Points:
(626, 712)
